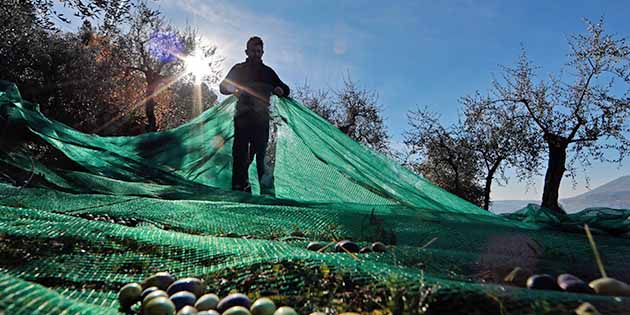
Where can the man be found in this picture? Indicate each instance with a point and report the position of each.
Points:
(253, 83)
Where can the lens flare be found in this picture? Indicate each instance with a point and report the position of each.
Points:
(164, 46)
(197, 65)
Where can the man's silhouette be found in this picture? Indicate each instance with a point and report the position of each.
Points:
(253, 83)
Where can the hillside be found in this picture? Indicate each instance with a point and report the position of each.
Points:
(614, 194)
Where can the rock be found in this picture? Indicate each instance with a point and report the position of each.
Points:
(263, 306)
(285, 310)
(315, 246)
(161, 280)
(542, 282)
(193, 285)
(183, 298)
(129, 295)
(378, 247)
(347, 245)
(207, 302)
(153, 295)
(586, 309)
(236, 310)
(148, 291)
(234, 299)
(208, 312)
(188, 310)
(610, 286)
(571, 283)
(517, 276)
(159, 306)
(365, 250)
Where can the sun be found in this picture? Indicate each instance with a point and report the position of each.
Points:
(198, 65)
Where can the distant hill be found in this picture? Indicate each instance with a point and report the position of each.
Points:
(614, 194)
(507, 206)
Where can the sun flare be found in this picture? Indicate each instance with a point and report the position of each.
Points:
(198, 65)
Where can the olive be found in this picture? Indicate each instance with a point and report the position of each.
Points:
(610, 286)
(571, 283)
(237, 310)
(263, 306)
(285, 310)
(542, 282)
(161, 280)
(153, 295)
(315, 246)
(129, 295)
(234, 299)
(159, 306)
(207, 302)
(148, 291)
(193, 285)
(378, 247)
(187, 310)
(347, 245)
(183, 298)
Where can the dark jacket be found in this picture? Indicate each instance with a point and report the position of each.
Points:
(256, 82)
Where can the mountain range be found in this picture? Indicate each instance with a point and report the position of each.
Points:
(614, 194)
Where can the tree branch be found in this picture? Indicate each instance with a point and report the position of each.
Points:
(583, 140)
(531, 113)
(575, 128)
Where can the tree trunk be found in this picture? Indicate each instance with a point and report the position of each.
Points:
(555, 171)
(149, 105)
(489, 178)
(149, 109)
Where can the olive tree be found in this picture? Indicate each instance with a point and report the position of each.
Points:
(353, 110)
(156, 50)
(443, 155)
(581, 114)
(500, 137)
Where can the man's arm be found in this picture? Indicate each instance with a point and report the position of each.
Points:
(276, 82)
(227, 86)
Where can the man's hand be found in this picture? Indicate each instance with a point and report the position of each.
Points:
(278, 91)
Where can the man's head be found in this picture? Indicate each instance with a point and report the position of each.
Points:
(254, 49)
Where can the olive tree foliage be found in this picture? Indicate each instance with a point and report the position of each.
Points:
(84, 78)
(110, 12)
(354, 111)
(443, 155)
(581, 114)
(57, 70)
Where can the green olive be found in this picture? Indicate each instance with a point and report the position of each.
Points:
(129, 295)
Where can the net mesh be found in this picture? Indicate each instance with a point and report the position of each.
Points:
(132, 206)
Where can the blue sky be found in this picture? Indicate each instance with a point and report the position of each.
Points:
(413, 53)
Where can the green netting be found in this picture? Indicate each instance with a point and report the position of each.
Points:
(132, 206)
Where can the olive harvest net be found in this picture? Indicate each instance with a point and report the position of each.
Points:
(114, 210)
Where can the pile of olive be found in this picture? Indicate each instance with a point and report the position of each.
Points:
(570, 283)
(161, 294)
